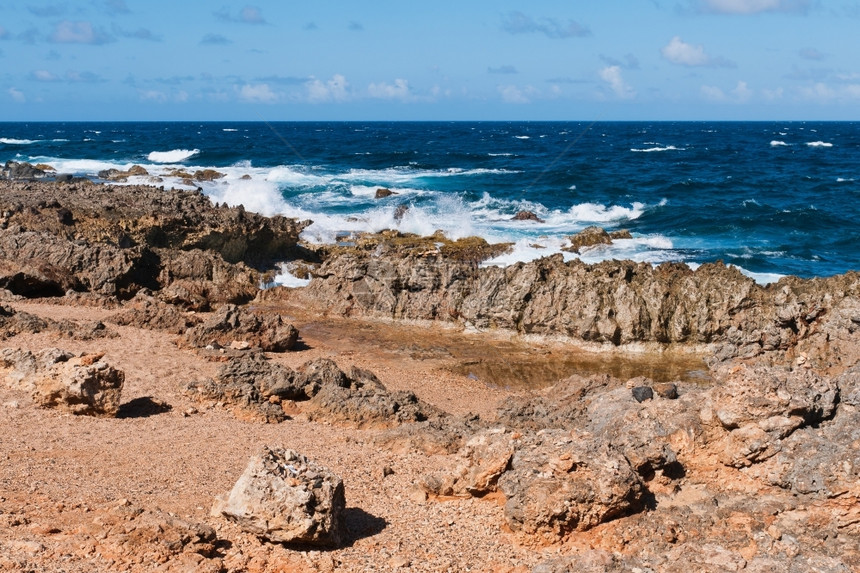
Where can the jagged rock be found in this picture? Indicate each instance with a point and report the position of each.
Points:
(246, 384)
(268, 331)
(365, 401)
(642, 393)
(21, 171)
(589, 237)
(198, 279)
(35, 264)
(82, 385)
(119, 175)
(13, 322)
(207, 175)
(152, 217)
(613, 302)
(760, 406)
(254, 386)
(148, 312)
(560, 482)
(383, 192)
(439, 435)
(527, 216)
(284, 497)
(483, 459)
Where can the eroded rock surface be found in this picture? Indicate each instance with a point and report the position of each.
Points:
(81, 385)
(613, 302)
(284, 497)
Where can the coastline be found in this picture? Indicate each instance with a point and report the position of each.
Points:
(721, 476)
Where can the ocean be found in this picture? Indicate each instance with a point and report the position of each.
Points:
(772, 198)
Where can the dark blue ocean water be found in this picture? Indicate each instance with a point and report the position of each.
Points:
(773, 198)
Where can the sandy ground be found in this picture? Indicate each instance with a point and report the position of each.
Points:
(65, 479)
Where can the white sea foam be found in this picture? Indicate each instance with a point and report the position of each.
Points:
(819, 144)
(229, 129)
(172, 156)
(12, 141)
(658, 148)
(760, 278)
(522, 137)
(287, 279)
(845, 180)
(777, 143)
(597, 213)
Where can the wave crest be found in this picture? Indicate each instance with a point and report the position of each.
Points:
(172, 156)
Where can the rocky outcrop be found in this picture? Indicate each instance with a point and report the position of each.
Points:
(613, 302)
(592, 236)
(16, 170)
(559, 482)
(116, 241)
(256, 387)
(151, 217)
(527, 216)
(267, 331)
(284, 497)
(761, 406)
(81, 385)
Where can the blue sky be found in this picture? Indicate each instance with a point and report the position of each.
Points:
(441, 60)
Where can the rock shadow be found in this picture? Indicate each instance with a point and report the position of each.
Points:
(143, 407)
(360, 525)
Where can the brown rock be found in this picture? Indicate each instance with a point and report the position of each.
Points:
(284, 497)
(384, 192)
(527, 216)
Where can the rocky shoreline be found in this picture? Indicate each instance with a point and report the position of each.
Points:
(117, 291)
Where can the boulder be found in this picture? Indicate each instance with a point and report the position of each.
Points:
(284, 497)
(589, 237)
(383, 192)
(527, 216)
(81, 385)
(16, 170)
(482, 460)
(560, 482)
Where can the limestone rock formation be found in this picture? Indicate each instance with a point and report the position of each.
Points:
(284, 497)
(229, 323)
(81, 385)
(255, 387)
(613, 302)
(561, 481)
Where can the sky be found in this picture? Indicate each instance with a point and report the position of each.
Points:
(284, 60)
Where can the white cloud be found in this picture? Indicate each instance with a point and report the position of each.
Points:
(44, 76)
(612, 76)
(257, 93)
(753, 6)
(742, 92)
(713, 93)
(17, 95)
(519, 23)
(68, 32)
(335, 89)
(399, 90)
(679, 52)
(153, 95)
(513, 94)
(772, 95)
(824, 93)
